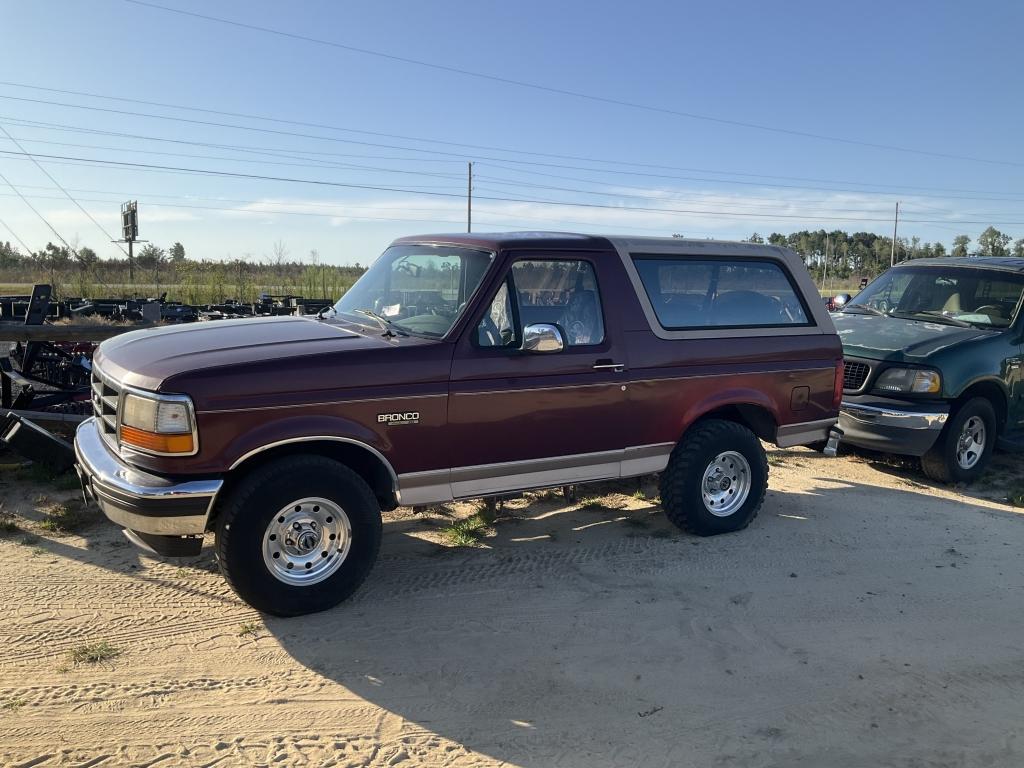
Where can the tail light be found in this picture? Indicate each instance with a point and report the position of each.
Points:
(837, 391)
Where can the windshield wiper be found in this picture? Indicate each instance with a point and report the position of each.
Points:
(864, 308)
(937, 316)
(383, 322)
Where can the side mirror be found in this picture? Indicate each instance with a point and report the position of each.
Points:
(840, 300)
(542, 338)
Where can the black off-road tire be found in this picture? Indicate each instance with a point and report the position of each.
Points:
(681, 482)
(250, 508)
(940, 462)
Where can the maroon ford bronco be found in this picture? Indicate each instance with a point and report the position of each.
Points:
(460, 366)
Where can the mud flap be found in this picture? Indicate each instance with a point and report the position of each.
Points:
(835, 435)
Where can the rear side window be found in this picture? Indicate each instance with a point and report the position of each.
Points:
(719, 293)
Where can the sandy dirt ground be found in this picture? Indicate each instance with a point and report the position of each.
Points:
(866, 618)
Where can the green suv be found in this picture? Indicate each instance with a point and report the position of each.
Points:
(934, 352)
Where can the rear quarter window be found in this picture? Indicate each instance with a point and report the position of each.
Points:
(691, 294)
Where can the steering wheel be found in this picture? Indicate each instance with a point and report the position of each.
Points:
(989, 309)
(489, 329)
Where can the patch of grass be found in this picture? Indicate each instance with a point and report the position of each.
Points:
(249, 629)
(93, 653)
(63, 517)
(466, 533)
(8, 524)
(1016, 496)
(598, 502)
(551, 494)
(65, 482)
(41, 475)
(441, 510)
(776, 459)
(639, 494)
(12, 705)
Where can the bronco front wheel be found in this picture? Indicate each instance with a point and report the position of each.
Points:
(298, 535)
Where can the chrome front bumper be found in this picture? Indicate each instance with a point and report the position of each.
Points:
(910, 430)
(141, 502)
(894, 417)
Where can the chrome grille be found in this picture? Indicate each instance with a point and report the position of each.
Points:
(106, 397)
(855, 374)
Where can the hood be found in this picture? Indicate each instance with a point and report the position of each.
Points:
(898, 339)
(146, 358)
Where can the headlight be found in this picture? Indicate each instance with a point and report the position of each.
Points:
(161, 424)
(909, 380)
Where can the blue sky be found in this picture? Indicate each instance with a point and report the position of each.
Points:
(938, 77)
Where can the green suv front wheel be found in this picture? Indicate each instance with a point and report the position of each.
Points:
(965, 445)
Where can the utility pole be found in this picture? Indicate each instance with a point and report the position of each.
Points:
(895, 224)
(469, 198)
(130, 234)
(824, 274)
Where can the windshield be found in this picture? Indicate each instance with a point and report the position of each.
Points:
(957, 296)
(419, 289)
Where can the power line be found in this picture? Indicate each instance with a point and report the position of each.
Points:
(15, 235)
(421, 139)
(775, 203)
(271, 151)
(320, 164)
(464, 156)
(621, 195)
(305, 203)
(509, 218)
(576, 94)
(69, 196)
(370, 187)
(36, 212)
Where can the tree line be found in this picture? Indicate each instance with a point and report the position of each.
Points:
(866, 254)
(77, 271)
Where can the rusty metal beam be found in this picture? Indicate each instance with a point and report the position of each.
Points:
(17, 332)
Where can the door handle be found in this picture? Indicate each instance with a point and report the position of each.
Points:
(608, 365)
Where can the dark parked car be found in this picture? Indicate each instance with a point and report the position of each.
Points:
(934, 363)
(460, 366)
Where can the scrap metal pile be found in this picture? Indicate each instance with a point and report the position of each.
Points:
(51, 375)
(16, 308)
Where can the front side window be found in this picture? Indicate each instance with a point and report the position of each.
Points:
(719, 293)
(955, 296)
(418, 289)
(557, 292)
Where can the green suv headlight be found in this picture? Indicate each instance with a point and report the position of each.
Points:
(909, 381)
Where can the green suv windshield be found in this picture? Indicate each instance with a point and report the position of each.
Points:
(418, 289)
(956, 296)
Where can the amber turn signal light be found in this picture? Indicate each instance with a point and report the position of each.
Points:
(151, 441)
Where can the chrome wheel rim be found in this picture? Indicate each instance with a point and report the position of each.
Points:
(726, 483)
(307, 541)
(971, 444)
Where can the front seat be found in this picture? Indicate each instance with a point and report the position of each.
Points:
(581, 319)
(952, 304)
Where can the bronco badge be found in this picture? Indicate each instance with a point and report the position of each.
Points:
(409, 417)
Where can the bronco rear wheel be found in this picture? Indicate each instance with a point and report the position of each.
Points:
(298, 535)
(716, 479)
